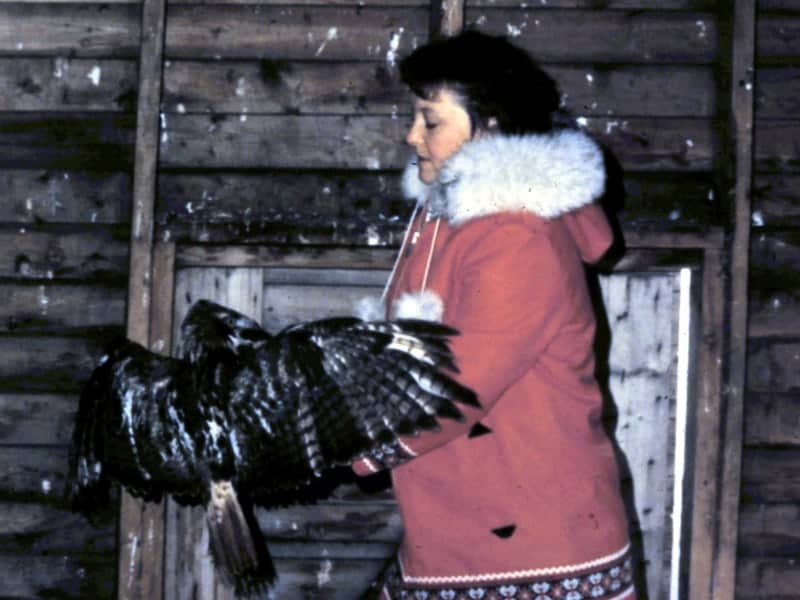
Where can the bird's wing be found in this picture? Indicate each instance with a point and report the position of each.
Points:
(209, 326)
(323, 393)
(132, 427)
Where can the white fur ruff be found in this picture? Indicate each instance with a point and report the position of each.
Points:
(426, 305)
(545, 174)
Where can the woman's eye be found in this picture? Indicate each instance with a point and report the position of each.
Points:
(429, 125)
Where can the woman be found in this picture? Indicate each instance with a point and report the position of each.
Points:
(521, 500)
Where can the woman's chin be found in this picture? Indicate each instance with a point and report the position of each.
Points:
(426, 174)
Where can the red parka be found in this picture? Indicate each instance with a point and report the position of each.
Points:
(523, 496)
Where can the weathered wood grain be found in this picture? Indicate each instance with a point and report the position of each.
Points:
(67, 84)
(376, 142)
(85, 141)
(603, 4)
(37, 419)
(332, 521)
(769, 530)
(776, 201)
(778, 38)
(771, 475)
(75, 252)
(31, 29)
(283, 141)
(776, 148)
(53, 308)
(775, 312)
(50, 363)
(775, 256)
(282, 86)
(34, 474)
(777, 90)
(103, 142)
(773, 365)
(65, 577)
(289, 87)
(767, 578)
(772, 418)
(30, 528)
(604, 36)
(310, 32)
(42, 196)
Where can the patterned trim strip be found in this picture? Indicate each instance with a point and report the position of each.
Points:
(513, 575)
(388, 456)
(614, 582)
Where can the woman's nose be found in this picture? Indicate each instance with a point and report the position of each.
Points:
(413, 137)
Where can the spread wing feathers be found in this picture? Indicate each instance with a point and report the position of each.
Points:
(245, 418)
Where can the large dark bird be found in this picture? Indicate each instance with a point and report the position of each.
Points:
(243, 418)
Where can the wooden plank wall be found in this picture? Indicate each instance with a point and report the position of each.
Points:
(279, 122)
(769, 538)
(67, 94)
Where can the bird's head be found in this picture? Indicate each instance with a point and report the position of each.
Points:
(210, 326)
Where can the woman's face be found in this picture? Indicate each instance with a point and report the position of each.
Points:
(441, 125)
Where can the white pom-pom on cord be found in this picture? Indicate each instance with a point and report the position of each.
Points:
(426, 305)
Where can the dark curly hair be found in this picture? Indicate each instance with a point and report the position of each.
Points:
(493, 78)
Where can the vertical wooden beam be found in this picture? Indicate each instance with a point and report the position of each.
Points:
(707, 428)
(742, 93)
(448, 17)
(140, 562)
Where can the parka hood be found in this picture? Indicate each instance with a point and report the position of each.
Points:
(558, 174)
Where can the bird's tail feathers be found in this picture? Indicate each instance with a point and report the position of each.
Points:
(237, 545)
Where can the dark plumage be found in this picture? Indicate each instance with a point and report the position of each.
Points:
(243, 418)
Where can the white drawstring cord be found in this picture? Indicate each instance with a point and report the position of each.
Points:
(430, 254)
(400, 253)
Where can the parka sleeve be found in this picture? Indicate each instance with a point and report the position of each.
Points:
(508, 304)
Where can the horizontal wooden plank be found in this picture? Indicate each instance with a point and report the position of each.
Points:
(42, 196)
(770, 475)
(55, 308)
(769, 530)
(73, 252)
(50, 363)
(31, 474)
(54, 576)
(777, 90)
(636, 91)
(39, 84)
(776, 201)
(602, 4)
(774, 313)
(282, 86)
(602, 36)
(779, 5)
(286, 32)
(778, 38)
(283, 142)
(37, 419)
(772, 418)
(773, 365)
(334, 522)
(306, 87)
(309, 197)
(281, 256)
(643, 144)
(776, 145)
(767, 578)
(376, 142)
(90, 141)
(31, 528)
(74, 29)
